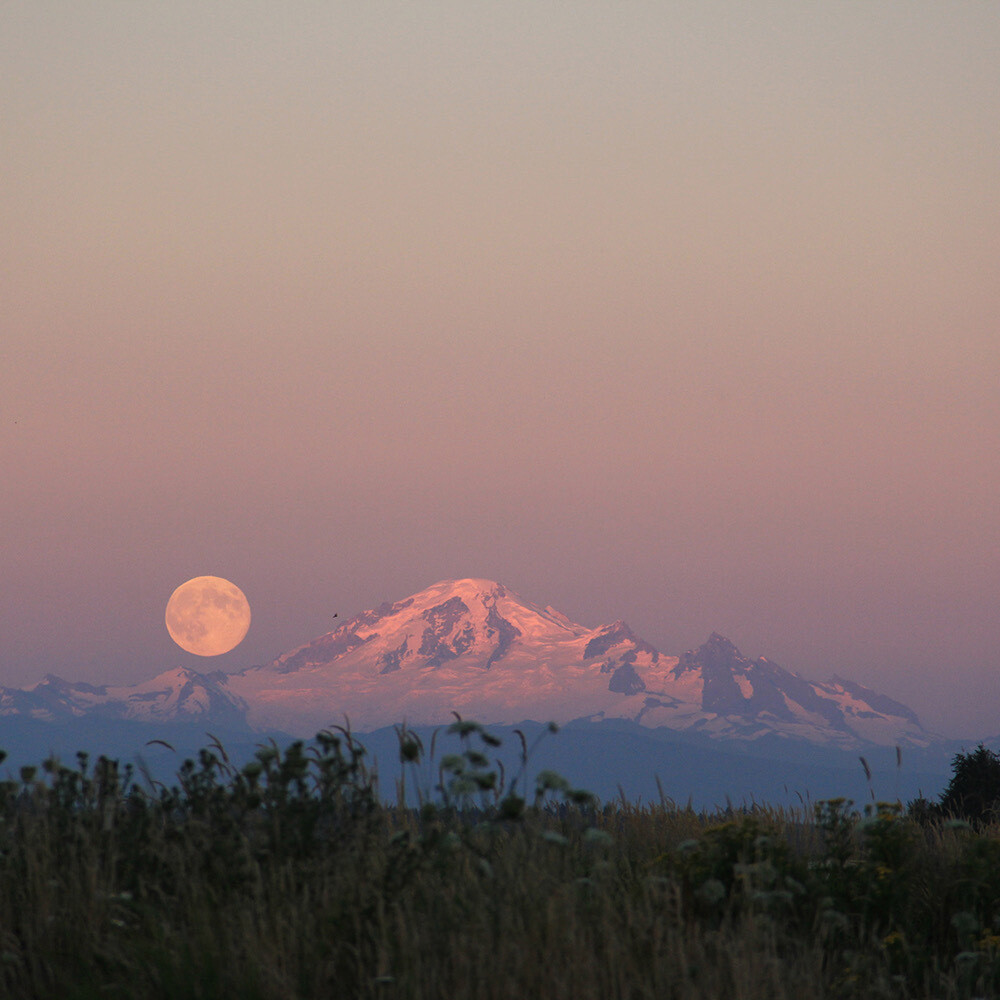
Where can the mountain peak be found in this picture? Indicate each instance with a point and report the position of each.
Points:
(716, 655)
(466, 586)
(718, 643)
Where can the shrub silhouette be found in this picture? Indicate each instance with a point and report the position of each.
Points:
(291, 876)
(973, 793)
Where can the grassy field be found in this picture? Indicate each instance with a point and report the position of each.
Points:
(289, 878)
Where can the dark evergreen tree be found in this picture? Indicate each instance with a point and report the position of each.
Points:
(974, 790)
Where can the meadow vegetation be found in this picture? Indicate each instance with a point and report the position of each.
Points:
(289, 879)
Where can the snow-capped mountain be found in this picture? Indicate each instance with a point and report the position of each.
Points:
(175, 695)
(475, 647)
(717, 690)
(471, 646)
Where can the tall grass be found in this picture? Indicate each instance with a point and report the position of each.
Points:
(290, 878)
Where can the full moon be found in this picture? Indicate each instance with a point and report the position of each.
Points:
(208, 616)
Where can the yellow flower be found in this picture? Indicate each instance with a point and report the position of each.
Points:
(989, 942)
(894, 939)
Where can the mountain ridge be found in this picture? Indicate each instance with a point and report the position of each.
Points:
(476, 647)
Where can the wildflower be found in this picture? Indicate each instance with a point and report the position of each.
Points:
(453, 762)
(464, 727)
(989, 943)
(894, 939)
(551, 781)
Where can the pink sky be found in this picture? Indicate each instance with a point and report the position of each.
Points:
(684, 313)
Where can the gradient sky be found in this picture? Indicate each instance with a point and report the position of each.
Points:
(686, 313)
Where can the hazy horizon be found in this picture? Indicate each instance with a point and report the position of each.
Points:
(682, 314)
